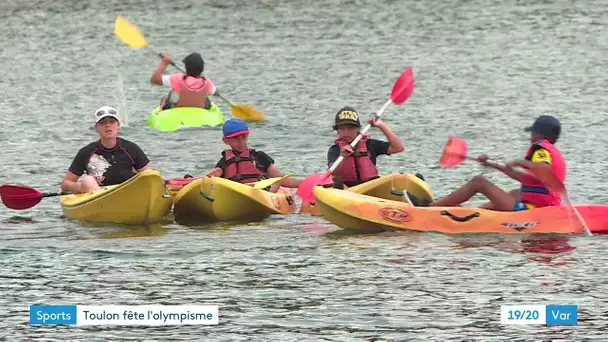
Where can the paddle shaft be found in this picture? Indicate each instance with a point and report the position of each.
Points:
(172, 62)
(225, 99)
(340, 159)
(496, 164)
(51, 194)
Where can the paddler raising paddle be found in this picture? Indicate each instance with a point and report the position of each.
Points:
(243, 164)
(192, 89)
(542, 153)
(110, 160)
(359, 166)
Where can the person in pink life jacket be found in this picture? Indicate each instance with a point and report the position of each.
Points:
(189, 90)
(359, 165)
(110, 160)
(242, 164)
(532, 194)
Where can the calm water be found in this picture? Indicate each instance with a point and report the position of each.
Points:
(484, 70)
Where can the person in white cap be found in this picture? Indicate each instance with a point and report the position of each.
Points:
(108, 161)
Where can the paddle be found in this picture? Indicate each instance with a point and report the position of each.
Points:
(20, 197)
(244, 112)
(131, 36)
(455, 152)
(402, 89)
(268, 182)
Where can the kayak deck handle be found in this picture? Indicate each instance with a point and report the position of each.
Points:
(460, 218)
(207, 197)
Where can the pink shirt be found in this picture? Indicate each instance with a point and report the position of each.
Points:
(177, 79)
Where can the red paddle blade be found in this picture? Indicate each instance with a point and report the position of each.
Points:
(305, 190)
(404, 86)
(19, 197)
(454, 152)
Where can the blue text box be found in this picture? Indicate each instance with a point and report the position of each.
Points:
(562, 314)
(52, 314)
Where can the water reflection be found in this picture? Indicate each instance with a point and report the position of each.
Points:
(548, 249)
(19, 220)
(121, 232)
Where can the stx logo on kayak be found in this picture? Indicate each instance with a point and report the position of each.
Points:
(395, 215)
(519, 226)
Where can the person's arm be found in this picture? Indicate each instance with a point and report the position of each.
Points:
(483, 158)
(290, 182)
(140, 160)
(212, 88)
(508, 171)
(147, 167)
(70, 183)
(219, 168)
(395, 144)
(157, 76)
(333, 154)
(217, 172)
(541, 158)
(266, 164)
(70, 180)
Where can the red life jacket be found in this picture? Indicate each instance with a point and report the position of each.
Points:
(358, 167)
(534, 191)
(241, 168)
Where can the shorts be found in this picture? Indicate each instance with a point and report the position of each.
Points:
(519, 206)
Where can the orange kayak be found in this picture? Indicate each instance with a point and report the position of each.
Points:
(367, 213)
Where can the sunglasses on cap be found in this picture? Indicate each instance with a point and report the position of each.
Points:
(105, 111)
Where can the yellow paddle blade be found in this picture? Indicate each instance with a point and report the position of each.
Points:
(247, 113)
(129, 33)
(268, 182)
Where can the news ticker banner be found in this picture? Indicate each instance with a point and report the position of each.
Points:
(539, 314)
(123, 315)
(208, 315)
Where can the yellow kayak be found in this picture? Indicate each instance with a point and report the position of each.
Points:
(143, 199)
(390, 187)
(215, 199)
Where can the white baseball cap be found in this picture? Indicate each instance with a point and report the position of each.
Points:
(104, 112)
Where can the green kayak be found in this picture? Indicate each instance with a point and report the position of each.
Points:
(173, 119)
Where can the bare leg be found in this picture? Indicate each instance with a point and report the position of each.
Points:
(500, 199)
(489, 205)
(89, 184)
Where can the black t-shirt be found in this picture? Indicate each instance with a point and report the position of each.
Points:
(374, 149)
(109, 167)
(261, 159)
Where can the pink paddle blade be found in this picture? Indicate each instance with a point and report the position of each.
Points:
(403, 87)
(305, 190)
(454, 152)
(19, 197)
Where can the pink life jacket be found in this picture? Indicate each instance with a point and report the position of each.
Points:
(193, 92)
(241, 168)
(534, 191)
(358, 167)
